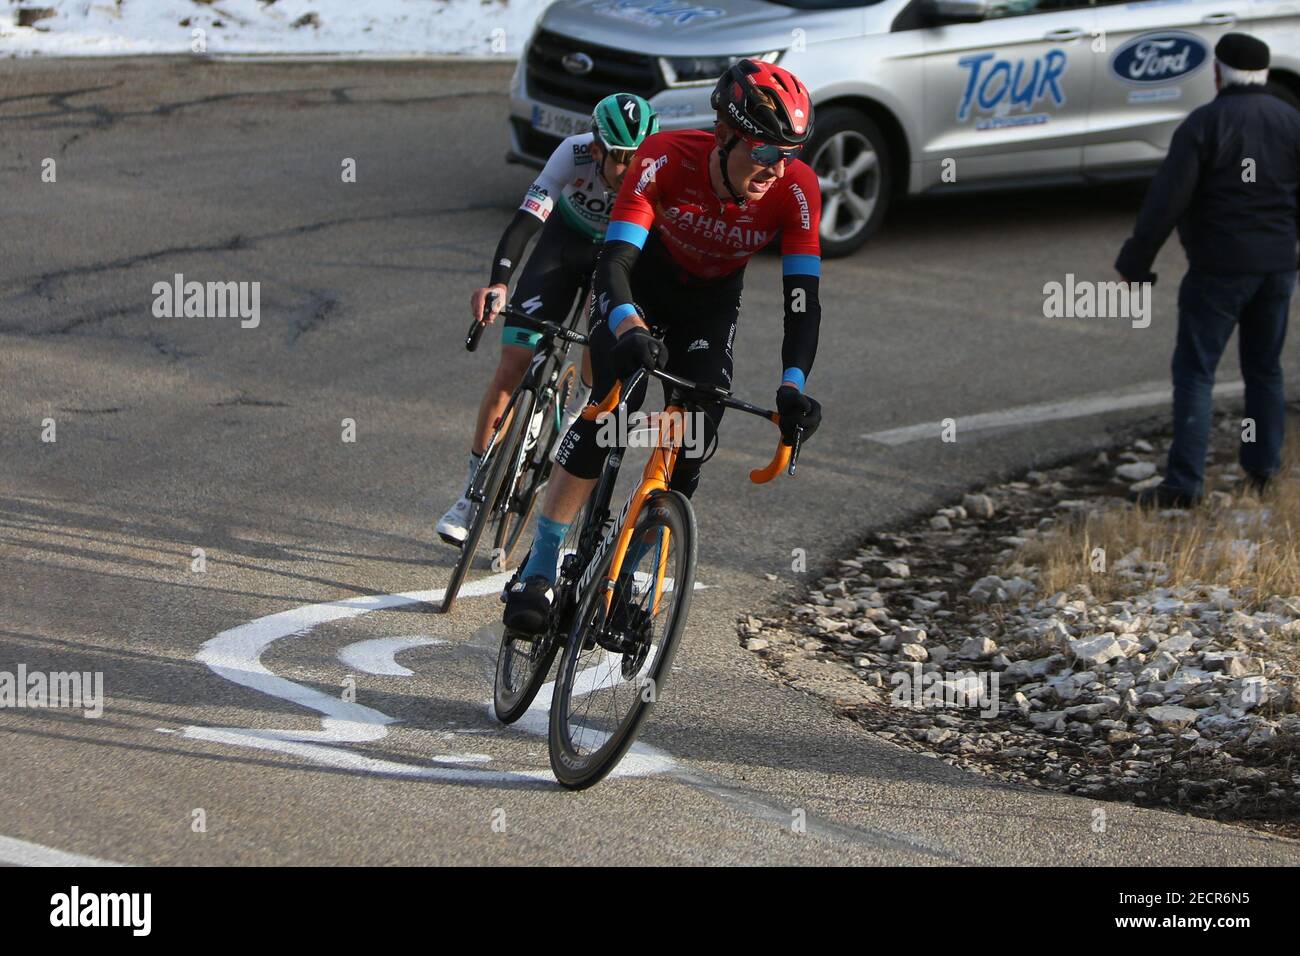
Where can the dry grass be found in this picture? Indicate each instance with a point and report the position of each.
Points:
(1251, 545)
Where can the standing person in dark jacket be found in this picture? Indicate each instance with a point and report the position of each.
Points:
(1229, 183)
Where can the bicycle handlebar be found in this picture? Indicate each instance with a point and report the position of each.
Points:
(785, 456)
(477, 328)
(550, 328)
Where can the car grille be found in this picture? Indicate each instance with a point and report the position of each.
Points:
(614, 71)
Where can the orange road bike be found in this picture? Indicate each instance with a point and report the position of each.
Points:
(622, 598)
(517, 461)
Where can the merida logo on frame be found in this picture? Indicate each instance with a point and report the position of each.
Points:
(103, 909)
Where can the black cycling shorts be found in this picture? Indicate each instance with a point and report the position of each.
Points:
(558, 268)
(698, 325)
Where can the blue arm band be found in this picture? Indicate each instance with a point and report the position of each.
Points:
(800, 265)
(630, 232)
(795, 377)
(620, 312)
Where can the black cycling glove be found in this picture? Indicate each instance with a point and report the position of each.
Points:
(797, 411)
(635, 349)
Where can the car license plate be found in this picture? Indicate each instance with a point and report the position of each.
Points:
(560, 122)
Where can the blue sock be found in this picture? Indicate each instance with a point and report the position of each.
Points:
(545, 556)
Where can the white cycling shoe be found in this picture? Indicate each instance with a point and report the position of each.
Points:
(454, 525)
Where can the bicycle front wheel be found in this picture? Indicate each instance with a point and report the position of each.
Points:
(615, 662)
(537, 467)
(522, 665)
(504, 459)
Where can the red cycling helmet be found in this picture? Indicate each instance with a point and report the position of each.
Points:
(764, 102)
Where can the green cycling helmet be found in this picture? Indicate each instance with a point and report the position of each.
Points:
(622, 120)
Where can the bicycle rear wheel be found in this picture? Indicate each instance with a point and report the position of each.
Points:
(615, 665)
(536, 473)
(491, 476)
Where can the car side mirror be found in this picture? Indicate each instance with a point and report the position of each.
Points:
(954, 11)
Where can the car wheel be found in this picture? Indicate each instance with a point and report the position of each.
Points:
(1283, 93)
(851, 158)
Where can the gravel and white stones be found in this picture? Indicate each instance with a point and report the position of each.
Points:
(1164, 696)
(977, 648)
(1172, 718)
(1096, 650)
(1136, 471)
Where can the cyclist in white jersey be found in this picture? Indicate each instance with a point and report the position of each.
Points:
(569, 203)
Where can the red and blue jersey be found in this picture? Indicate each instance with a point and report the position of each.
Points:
(709, 238)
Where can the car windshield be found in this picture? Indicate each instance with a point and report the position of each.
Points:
(825, 4)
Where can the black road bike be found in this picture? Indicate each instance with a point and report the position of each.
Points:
(517, 464)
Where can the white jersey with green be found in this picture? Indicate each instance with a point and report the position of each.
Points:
(571, 182)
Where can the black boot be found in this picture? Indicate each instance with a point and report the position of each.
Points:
(1162, 496)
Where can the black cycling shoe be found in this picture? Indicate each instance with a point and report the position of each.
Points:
(528, 605)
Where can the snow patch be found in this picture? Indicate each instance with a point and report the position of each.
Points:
(299, 27)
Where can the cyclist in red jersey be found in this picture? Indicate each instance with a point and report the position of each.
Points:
(673, 263)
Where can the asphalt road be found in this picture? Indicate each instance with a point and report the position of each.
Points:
(180, 433)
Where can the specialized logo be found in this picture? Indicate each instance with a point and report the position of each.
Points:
(1159, 58)
(1003, 89)
(531, 305)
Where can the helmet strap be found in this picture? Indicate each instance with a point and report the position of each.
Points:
(600, 170)
(724, 154)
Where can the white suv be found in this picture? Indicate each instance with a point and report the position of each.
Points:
(912, 96)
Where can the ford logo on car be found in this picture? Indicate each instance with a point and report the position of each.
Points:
(1159, 58)
(577, 63)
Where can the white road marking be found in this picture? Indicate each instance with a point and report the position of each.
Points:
(641, 760)
(1150, 393)
(21, 853)
(236, 655)
(378, 656)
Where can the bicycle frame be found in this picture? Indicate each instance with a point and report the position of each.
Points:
(533, 382)
(655, 478)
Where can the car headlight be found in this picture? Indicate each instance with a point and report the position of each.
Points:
(699, 70)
